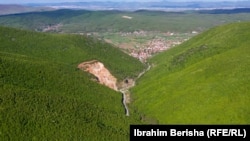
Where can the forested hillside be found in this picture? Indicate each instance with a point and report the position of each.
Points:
(44, 96)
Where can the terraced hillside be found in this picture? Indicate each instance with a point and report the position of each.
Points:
(205, 80)
(43, 95)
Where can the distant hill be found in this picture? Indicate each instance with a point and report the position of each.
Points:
(43, 95)
(203, 81)
(84, 21)
(163, 5)
(225, 11)
(6, 9)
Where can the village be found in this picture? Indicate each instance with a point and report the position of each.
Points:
(157, 43)
(152, 47)
(144, 44)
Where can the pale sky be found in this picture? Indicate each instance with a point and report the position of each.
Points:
(58, 1)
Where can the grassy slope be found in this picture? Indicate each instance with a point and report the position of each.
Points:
(204, 80)
(43, 95)
(112, 21)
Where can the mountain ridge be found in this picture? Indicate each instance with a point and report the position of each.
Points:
(6, 9)
(152, 5)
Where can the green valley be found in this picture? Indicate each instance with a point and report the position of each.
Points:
(140, 33)
(182, 67)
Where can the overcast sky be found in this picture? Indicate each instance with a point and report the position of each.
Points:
(57, 1)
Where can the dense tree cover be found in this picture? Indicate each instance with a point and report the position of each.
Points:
(204, 80)
(43, 96)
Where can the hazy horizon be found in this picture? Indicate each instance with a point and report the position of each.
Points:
(60, 1)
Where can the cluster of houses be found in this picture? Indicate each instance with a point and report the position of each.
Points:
(52, 28)
(152, 47)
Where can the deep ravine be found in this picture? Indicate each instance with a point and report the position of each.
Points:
(125, 90)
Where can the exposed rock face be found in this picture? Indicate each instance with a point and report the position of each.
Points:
(103, 75)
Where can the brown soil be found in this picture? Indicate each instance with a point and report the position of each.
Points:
(102, 74)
